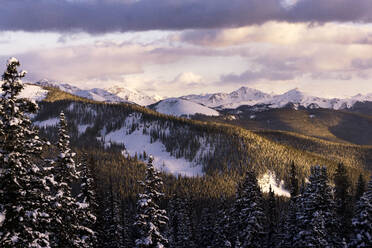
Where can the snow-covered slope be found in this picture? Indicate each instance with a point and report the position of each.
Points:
(242, 96)
(277, 186)
(133, 96)
(252, 97)
(180, 107)
(113, 94)
(138, 141)
(33, 92)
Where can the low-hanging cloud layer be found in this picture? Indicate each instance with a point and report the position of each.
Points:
(102, 16)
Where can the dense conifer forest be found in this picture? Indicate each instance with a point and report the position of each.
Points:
(61, 188)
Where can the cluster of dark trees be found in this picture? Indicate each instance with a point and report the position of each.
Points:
(37, 205)
(56, 202)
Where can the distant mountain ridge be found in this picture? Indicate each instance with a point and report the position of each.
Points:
(113, 94)
(295, 97)
(244, 96)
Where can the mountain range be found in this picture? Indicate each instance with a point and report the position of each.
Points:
(207, 103)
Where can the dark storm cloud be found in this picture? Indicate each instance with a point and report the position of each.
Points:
(100, 16)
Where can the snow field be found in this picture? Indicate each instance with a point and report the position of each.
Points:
(180, 107)
(269, 179)
(137, 142)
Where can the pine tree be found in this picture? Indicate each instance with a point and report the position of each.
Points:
(271, 219)
(248, 215)
(360, 187)
(362, 221)
(88, 206)
(67, 228)
(111, 235)
(343, 199)
(317, 223)
(205, 228)
(24, 195)
(151, 219)
(180, 224)
(221, 227)
(290, 221)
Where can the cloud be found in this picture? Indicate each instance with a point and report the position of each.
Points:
(362, 64)
(188, 78)
(250, 76)
(103, 60)
(102, 16)
(280, 33)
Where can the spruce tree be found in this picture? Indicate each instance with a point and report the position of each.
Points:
(151, 219)
(343, 199)
(288, 230)
(360, 188)
(317, 222)
(221, 227)
(249, 218)
(272, 218)
(24, 197)
(180, 224)
(205, 228)
(362, 221)
(66, 224)
(88, 205)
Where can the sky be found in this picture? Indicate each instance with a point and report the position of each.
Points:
(179, 47)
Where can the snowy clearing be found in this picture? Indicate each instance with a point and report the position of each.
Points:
(83, 128)
(179, 107)
(138, 142)
(47, 123)
(268, 179)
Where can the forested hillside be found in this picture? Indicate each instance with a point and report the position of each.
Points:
(211, 146)
(94, 180)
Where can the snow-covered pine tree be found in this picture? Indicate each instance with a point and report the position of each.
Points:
(88, 206)
(317, 222)
(205, 228)
(179, 224)
(66, 226)
(23, 193)
(272, 219)
(360, 188)
(151, 220)
(288, 228)
(249, 218)
(362, 221)
(221, 227)
(343, 199)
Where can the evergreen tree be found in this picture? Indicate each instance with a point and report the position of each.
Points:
(221, 227)
(151, 219)
(248, 218)
(24, 196)
(271, 219)
(88, 206)
(112, 229)
(317, 224)
(67, 228)
(343, 199)
(288, 229)
(180, 224)
(362, 221)
(360, 187)
(205, 228)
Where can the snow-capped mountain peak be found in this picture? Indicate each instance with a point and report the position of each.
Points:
(112, 94)
(132, 95)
